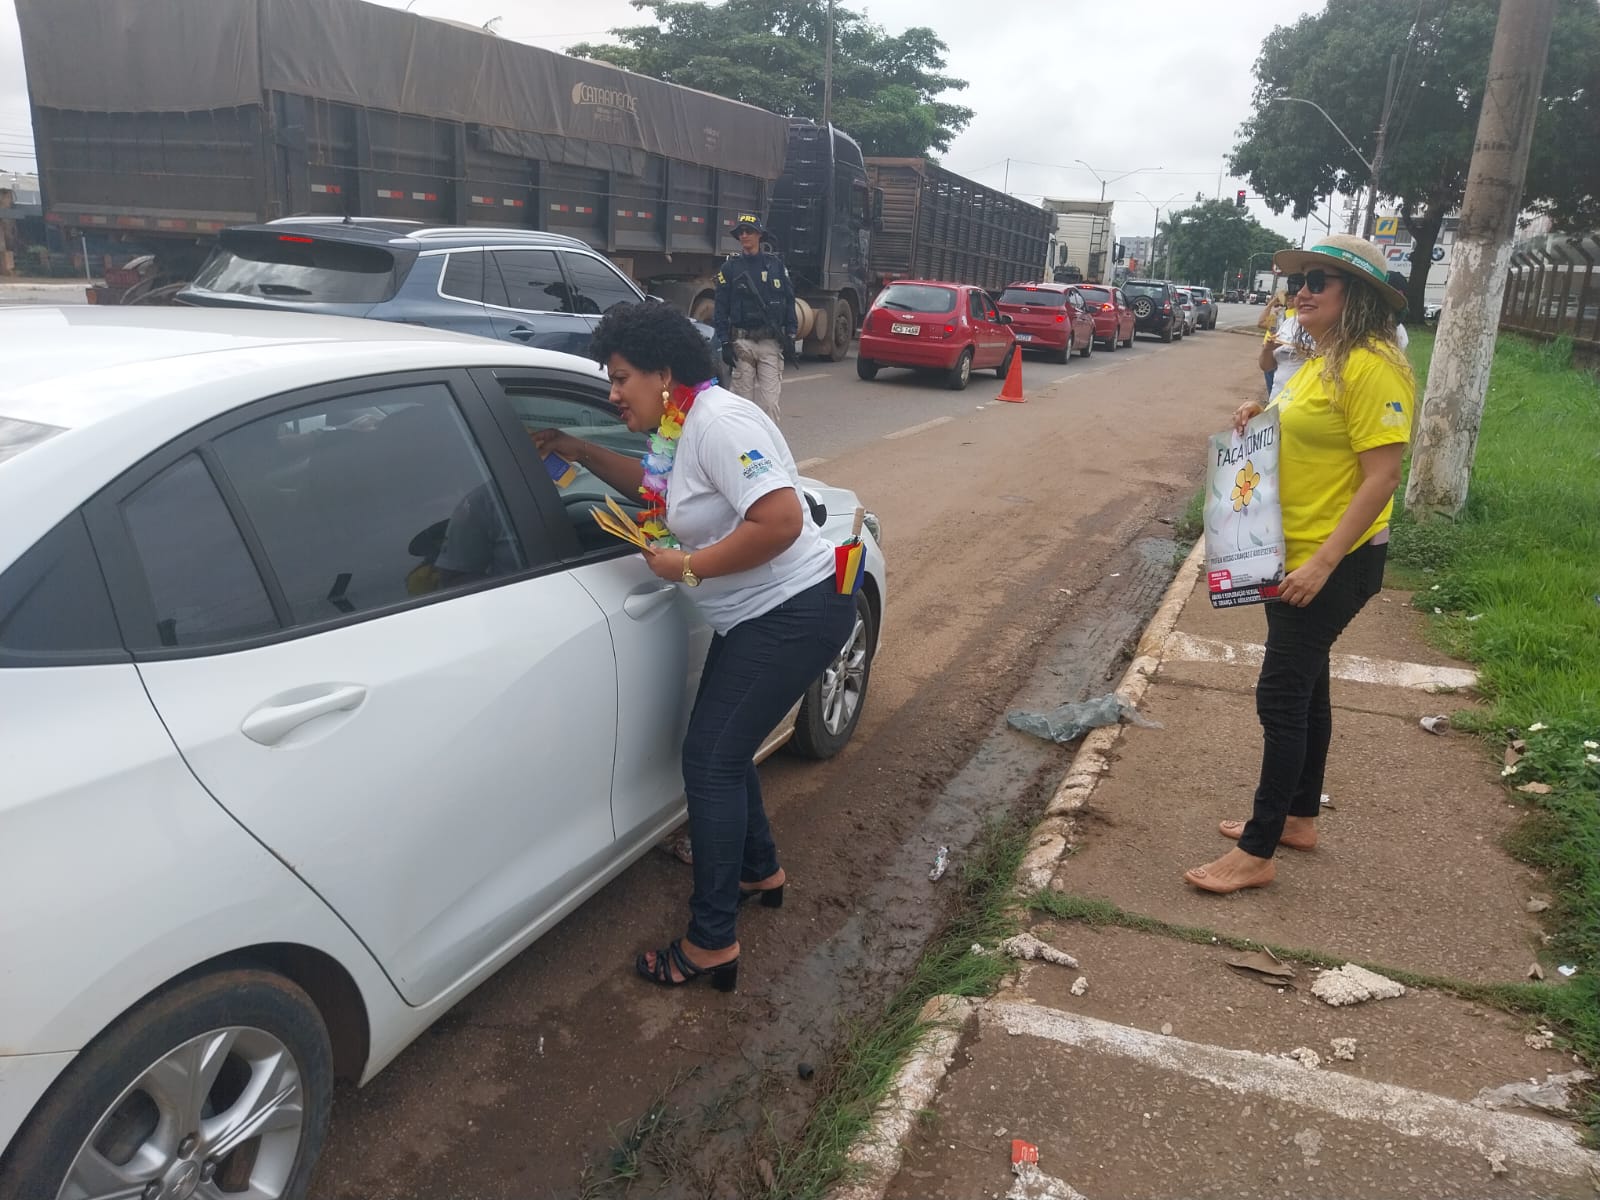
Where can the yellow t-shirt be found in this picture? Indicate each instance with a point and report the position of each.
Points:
(1318, 467)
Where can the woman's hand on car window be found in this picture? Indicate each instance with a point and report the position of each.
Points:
(554, 441)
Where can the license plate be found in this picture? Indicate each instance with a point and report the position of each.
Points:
(913, 330)
(1024, 337)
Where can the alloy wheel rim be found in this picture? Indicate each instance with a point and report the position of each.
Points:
(844, 682)
(228, 1105)
(965, 367)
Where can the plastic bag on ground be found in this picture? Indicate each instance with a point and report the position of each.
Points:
(1072, 721)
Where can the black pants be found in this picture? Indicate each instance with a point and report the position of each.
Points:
(753, 675)
(1292, 697)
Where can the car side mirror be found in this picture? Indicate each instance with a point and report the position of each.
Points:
(1005, 319)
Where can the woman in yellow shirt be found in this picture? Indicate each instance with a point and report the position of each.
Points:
(1346, 419)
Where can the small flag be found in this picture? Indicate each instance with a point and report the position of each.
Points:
(847, 566)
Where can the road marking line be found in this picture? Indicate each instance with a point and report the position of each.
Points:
(807, 464)
(806, 378)
(915, 429)
(1355, 668)
(1531, 1141)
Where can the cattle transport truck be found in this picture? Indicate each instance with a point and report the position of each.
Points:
(159, 123)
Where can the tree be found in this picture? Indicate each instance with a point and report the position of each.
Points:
(767, 53)
(1339, 58)
(1213, 239)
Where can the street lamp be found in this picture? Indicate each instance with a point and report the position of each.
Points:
(1155, 231)
(1376, 164)
(1114, 178)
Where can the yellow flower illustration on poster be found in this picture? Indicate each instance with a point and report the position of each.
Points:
(1244, 486)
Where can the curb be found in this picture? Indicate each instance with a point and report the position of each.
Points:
(880, 1151)
(1049, 840)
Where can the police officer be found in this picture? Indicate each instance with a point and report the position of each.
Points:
(755, 320)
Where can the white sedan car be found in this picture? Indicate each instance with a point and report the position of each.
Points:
(320, 702)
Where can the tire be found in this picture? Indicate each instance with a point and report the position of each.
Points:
(1129, 342)
(1166, 334)
(257, 1017)
(1004, 368)
(842, 331)
(957, 378)
(866, 369)
(1064, 354)
(1088, 348)
(1143, 307)
(1111, 346)
(832, 705)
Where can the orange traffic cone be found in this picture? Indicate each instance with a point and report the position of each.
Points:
(1012, 392)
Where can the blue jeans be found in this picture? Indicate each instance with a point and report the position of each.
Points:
(753, 675)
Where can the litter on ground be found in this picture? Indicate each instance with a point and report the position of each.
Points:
(1351, 984)
(1263, 966)
(1553, 1096)
(1072, 721)
(1026, 946)
(1080, 985)
(1344, 1049)
(1306, 1057)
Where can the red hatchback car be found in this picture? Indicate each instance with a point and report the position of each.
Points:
(1113, 318)
(1049, 316)
(949, 327)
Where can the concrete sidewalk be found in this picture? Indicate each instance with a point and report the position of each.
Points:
(1167, 1074)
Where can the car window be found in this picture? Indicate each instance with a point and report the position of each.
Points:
(976, 306)
(53, 600)
(463, 276)
(527, 279)
(1033, 297)
(201, 579)
(366, 501)
(600, 287)
(1158, 290)
(539, 407)
(1093, 295)
(294, 266)
(918, 298)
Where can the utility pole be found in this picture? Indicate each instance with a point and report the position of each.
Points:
(827, 71)
(1377, 154)
(1452, 409)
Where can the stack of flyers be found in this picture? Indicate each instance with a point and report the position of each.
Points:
(562, 473)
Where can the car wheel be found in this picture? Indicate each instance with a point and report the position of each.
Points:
(1088, 347)
(961, 373)
(1143, 307)
(1129, 342)
(832, 705)
(1004, 368)
(1167, 334)
(222, 1084)
(1111, 346)
(1064, 354)
(866, 369)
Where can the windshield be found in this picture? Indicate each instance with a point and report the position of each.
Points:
(1095, 295)
(1145, 289)
(17, 436)
(295, 267)
(918, 298)
(1036, 297)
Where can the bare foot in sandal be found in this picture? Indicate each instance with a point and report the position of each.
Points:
(1233, 872)
(1299, 833)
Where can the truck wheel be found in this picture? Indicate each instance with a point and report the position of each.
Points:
(961, 373)
(842, 330)
(232, 1052)
(866, 369)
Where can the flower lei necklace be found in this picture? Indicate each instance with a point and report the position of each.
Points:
(658, 464)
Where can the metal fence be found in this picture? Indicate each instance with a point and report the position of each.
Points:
(1554, 289)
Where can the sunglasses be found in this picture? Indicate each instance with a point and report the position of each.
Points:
(1314, 282)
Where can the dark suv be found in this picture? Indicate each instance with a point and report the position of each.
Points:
(539, 289)
(1155, 308)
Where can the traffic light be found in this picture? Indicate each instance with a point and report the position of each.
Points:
(1238, 198)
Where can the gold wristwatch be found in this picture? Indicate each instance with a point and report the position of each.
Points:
(690, 579)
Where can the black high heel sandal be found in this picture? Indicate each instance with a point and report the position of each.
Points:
(724, 976)
(770, 897)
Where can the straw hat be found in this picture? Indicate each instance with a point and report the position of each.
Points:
(1347, 253)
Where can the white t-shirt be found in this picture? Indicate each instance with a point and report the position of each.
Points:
(1290, 357)
(731, 455)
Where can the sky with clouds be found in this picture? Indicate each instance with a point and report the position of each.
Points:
(1119, 84)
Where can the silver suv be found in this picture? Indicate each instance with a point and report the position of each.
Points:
(1205, 307)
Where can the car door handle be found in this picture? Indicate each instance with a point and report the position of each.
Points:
(646, 600)
(273, 722)
(522, 333)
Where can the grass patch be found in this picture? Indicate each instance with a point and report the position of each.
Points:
(1191, 526)
(1518, 580)
(862, 1071)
